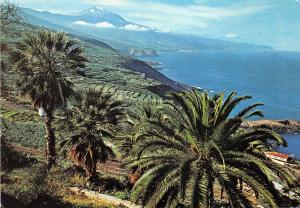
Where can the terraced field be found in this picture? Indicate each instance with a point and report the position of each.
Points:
(105, 69)
(23, 128)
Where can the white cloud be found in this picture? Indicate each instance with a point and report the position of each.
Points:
(99, 24)
(231, 35)
(135, 27)
(132, 27)
(80, 23)
(104, 25)
(166, 30)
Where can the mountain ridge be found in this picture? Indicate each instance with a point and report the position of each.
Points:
(122, 34)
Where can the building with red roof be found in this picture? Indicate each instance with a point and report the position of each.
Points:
(278, 156)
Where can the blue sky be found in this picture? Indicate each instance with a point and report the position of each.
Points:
(271, 22)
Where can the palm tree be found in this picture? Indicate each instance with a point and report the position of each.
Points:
(42, 61)
(195, 147)
(135, 117)
(126, 137)
(89, 119)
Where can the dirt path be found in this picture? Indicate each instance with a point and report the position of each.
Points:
(104, 197)
(110, 167)
(26, 150)
(14, 105)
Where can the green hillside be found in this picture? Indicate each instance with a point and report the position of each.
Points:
(106, 68)
(23, 128)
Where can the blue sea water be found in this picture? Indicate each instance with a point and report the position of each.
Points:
(270, 77)
(293, 145)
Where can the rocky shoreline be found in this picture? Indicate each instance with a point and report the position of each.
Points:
(280, 126)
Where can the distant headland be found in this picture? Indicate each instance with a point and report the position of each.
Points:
(280, 126)
(142, 52)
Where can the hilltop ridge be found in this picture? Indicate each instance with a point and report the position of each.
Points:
(122, 75)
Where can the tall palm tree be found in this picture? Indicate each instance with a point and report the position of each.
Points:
(42, 61)
(89, 119)
(196, 147)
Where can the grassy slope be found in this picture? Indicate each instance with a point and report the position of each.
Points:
(21, 125)
(106, 69)
(119, 74)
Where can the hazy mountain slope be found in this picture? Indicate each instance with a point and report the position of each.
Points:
(122, 34)
(34, 20)
(58, 19)
(92, 16)
(103, 60)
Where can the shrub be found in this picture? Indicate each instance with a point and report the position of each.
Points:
(28, 183)
(11, 159)
(124, 195)
(27, 134)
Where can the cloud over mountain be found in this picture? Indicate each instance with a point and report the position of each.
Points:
(99, 24)
(135, 27)
(231, 35)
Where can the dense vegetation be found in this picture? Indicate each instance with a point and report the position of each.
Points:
(90, 118)
(41, 60)
(186, 150)
(192, 147)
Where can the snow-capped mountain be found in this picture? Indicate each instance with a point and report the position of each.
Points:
(110, 27)
(96, 15)
(96, 11)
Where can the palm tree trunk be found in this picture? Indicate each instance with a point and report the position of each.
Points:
(50, 140)
(91, 173)
(222, 192)
(241, 185)
(211, 192)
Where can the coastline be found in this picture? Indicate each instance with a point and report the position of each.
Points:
(289, 129)
(153, 67)
(214, 70)
(281, 126)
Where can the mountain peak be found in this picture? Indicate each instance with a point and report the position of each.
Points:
(99, 14)
(94, 11)
(97, 8)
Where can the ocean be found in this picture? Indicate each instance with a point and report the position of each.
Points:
(270, 77)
